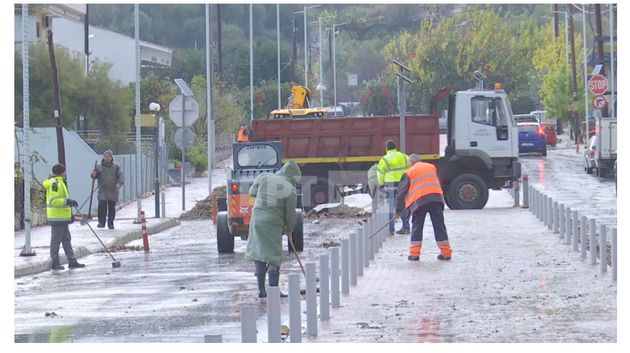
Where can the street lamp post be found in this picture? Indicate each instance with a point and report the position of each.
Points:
(155, 107)
(306, 8)
(334, 41)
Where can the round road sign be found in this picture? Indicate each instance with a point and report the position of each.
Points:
(598, 85)
(600, 102)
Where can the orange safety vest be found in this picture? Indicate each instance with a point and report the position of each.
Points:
(423, 181)
(242, 135)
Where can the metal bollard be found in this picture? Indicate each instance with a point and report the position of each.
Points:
(295, 309)
(273, 314)
(324, 275)
(550, 210)
(334, 276)
(366, 246)
(592, 242)
(567, 226)
(583, 238)
(545, 210)
(525, 191)
(517, 202)
(311, 298)
(534, 202)
(213, 338)
(556, 223)
(603, 249)
(163, 204)
(353, 258)
(575, 221)
(613, 253)
(539, 196)
(345, 267)
(561, 219)
(359, 252)
(248, 324)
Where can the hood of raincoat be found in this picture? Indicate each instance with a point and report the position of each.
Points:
(291, 171)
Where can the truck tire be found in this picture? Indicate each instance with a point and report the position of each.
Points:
(467, 191)
(225, 240)
(298, 233)
(601, 172)
(447, 202)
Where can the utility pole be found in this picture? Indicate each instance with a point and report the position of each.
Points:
(574, 95)
(61, 150)
(599, 37)
(401, 75)
(278, 53)
(556, 29)
(219, 42)
(251, 64)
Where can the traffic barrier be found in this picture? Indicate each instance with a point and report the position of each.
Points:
(556, 220)
(561, 219)
(359, 264)
(613, 254)
(567, 225)
(353, 258)
(145, 234)
(592, 242)
(583, 238)
(334, 276)
(345, 264)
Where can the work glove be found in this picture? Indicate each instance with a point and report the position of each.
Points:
(72, 203)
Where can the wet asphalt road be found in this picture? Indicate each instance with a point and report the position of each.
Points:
(178, 292)
(562, 177)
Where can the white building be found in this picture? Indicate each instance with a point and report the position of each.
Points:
(66, 22)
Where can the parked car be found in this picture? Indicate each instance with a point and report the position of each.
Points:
(590, 155)
(550, 132)
(525, 118)
(592, 126)
(532, 138)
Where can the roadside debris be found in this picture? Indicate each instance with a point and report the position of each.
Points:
(203, 208)
(118, 248)
(341, 211)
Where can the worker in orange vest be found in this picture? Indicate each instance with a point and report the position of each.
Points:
(243, 134)
(420, 193)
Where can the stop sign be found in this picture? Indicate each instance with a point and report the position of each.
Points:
(598, 85)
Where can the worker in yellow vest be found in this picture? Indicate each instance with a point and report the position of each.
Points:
(243, 134)
(390, 169)
(59, 213)
(420, 192)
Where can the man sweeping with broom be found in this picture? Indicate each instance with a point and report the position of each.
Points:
(274, 211)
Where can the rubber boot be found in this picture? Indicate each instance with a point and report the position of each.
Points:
(262, 293)
(56, 265)
(445, 251)
(73, 263)
(274, 279)
(414, 252)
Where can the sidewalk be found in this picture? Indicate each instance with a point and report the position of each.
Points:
(85, 243)
(510, 280)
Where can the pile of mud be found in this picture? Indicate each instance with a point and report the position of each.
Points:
(341, 211)
(203, 208)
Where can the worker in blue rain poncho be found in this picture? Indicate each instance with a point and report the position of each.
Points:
(273, 213)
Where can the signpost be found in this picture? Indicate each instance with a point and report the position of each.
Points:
(598, 85)
(184, 111)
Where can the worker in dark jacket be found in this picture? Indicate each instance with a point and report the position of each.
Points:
(59, 214)
(110, 180)
(419, 193)
(273, 212)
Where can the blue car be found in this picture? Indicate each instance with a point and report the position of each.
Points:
(532, 138)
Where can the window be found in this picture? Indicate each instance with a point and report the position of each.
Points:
(257, 156)
(482, 110)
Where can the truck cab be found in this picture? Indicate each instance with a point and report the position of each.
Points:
(482, 150)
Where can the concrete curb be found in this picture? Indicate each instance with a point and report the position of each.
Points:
(81, 251)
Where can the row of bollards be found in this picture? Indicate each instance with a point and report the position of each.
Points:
(339, 270)
(573, 228)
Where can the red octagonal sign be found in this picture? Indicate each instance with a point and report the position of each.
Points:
(598, 85)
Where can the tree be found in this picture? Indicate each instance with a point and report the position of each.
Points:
(556, 88)
(376, 99)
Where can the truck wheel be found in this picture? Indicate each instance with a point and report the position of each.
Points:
(467, 191)
(225, 240)
(447, 202)
(298, 233)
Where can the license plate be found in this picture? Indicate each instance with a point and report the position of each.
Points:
(527, 144)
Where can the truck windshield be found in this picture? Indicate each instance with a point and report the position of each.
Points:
(257, 156)
(488, 111)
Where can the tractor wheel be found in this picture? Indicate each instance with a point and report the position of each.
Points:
(225, 240)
